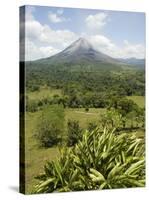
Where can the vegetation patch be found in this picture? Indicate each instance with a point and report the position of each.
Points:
(50, 127)
(101, 160)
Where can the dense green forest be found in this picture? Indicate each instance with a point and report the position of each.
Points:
(85, 88)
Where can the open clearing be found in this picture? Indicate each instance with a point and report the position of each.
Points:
(44, 92)
(140, 100)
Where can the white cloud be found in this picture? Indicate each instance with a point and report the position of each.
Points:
(97, 21)
(57, 17)
(54, 18)
(101, 42)
(33, 29)
(34, 52)
(39, 36)
(105, 45)
(57, 37)
(132, 50)
(43, 33)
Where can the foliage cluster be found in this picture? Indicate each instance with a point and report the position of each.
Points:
(50, 127)
(101, 160)
(74, 132)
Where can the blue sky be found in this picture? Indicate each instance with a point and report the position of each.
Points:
(116, 33)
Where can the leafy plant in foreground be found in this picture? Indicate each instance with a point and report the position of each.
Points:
(102, 160)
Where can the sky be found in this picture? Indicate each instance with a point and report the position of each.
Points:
(49, 30)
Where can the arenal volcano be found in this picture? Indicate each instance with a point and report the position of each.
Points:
(80, 51)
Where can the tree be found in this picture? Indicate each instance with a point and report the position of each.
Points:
(127, 109)
(63, 101)
(48, 134)
(125, 106)
(112, 118)
(50, 126)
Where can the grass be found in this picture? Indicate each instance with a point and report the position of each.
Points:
(140, 100)
(35, 156)
(79, 114)
(44, 92)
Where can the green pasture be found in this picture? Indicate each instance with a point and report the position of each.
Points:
(140, 100)
(44, 92)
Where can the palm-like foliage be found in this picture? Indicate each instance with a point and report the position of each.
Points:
(101, 160)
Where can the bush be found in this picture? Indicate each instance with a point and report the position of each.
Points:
(86, 109)
(74, 132)
(31, 105)
(50, 126)
(91, 126)
(112, 118)
(34, 88)
(48, 134)
(99, 161)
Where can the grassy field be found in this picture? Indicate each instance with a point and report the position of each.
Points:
(44, 92)
(36, 157)
(140, 100)
(79, 114)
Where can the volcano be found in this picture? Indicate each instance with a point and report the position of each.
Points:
(80, 51)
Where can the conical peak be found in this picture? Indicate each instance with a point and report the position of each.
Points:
(83, 42)
(81, 39)
(80, 44)
(81, 51)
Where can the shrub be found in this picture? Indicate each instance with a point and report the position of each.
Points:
(99, 161)
(50, 126)
(91, 126)
(86, 109)
(48, 134)
(74, 132)
(31, 105)
(34, 88)
(112, 118)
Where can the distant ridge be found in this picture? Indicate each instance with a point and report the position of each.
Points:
(133, 61)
